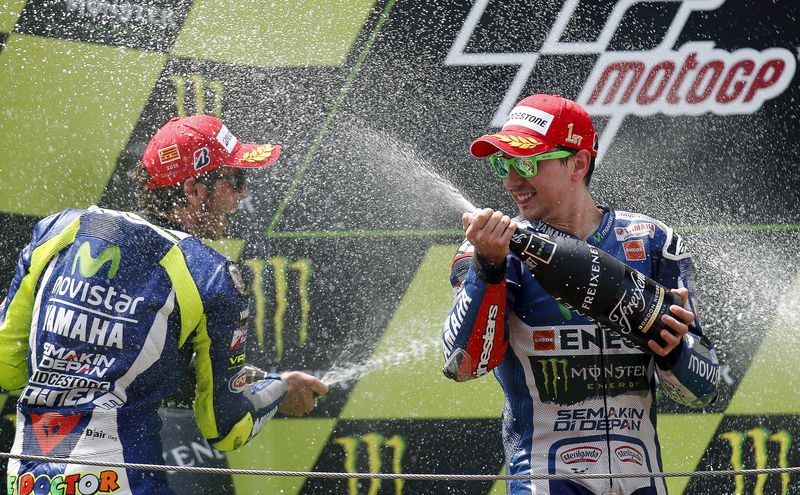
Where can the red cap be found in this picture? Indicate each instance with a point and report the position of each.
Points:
(190, 146)
(537, 124)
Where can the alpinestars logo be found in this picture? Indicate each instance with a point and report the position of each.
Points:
(693, 79)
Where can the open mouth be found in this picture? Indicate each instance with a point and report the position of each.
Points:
(523, 198)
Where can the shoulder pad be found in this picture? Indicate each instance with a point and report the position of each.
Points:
(674, 248)
(640, 225)
(53, 224)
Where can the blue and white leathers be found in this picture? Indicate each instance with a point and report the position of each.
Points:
(578, 399)
(103, 316)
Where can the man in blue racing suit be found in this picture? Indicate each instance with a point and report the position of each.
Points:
(107, 309)
(579, 399)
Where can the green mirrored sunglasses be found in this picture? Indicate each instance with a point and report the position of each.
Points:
(526, 166)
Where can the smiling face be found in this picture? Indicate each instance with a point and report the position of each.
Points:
(544, 195)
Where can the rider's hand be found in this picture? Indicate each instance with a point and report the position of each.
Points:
(490, 232)
(301, 397)
(678, 321)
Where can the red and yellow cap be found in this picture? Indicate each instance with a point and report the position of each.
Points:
(537, 124)
(190, 146)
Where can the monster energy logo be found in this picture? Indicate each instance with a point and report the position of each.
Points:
(759, 439)
(554, 370)
(281, 267)
(89, 265)
(375, 444)
(200, 85)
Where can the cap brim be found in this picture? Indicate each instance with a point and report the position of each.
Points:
(255, 155)
(509, 143)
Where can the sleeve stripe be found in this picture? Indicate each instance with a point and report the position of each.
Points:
(16, 326)
(193, 320)
(189, 302)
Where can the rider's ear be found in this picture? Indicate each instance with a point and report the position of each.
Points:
(195, 192)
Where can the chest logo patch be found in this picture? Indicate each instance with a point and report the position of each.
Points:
(634, 250)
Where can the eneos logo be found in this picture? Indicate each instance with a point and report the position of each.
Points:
(694, 79)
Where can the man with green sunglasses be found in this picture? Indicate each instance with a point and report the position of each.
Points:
(590, 393)
(525, 166)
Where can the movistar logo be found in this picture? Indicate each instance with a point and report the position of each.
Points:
(555, 374)
(89, 265)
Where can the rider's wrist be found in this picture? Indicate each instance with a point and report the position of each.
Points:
(488, 270)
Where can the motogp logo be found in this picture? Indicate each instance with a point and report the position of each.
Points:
(695, 78)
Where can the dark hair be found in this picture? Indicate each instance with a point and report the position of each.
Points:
(586, 178)
(165, 198)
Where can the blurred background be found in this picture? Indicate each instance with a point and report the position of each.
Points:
(347, 242)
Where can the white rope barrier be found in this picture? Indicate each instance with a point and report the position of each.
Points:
(394, 476)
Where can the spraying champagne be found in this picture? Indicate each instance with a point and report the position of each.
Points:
(596, 285)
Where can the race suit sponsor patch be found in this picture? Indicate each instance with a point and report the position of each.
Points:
(568, 380)
(584, 453)
(106, 481)
(629, 453)
(238, 382)
(634, 250)
(488, 340)
(238, 338)
(544, 340)
(599, 419)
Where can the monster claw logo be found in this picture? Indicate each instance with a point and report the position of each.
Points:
(555, 371)
(691, 80)
(375, 443)
(281, 268)
(755, 442)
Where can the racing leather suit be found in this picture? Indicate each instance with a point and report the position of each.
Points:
(103, 316)
(579, 399)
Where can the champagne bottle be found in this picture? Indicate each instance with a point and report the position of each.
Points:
(596, 285)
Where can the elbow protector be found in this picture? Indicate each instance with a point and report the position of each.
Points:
(693, 379)
(485, 348)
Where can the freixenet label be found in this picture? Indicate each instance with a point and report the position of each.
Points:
(534, 245)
